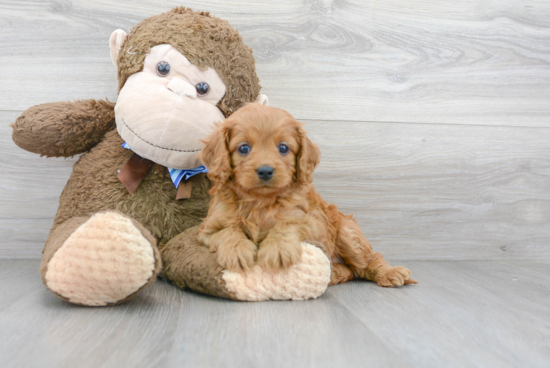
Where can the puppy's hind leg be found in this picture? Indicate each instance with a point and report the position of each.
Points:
(340, 274)
(358, 255)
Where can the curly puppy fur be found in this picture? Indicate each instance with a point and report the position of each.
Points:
(253, 218)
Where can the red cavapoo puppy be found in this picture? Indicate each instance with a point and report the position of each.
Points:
(264, 204)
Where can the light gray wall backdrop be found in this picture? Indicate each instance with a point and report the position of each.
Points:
(433, 117)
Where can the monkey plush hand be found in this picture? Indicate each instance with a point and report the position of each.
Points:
(139, 184)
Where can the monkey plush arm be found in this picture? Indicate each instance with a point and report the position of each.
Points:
(63, 129)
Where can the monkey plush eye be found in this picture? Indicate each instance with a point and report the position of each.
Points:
(202, 88)
(244, 149)
(283, 149)
(163, 68)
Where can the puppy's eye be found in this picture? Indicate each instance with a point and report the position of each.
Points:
(283, 149)
(202, 88)
(244, 149)
(163, 68)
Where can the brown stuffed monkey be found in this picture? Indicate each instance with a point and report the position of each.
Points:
(136, 194)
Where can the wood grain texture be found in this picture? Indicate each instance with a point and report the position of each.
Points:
(418, 191)
(425, 191)
(482, 314)
(433, 118)
(467, 62)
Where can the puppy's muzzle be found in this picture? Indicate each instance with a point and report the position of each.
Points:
(265, 173)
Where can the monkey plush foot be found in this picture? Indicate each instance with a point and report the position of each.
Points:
(307, 279)
(105, 261)
(187, 263)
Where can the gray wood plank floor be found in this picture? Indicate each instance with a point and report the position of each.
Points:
(461, 314)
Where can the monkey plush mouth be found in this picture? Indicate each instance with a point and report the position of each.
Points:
(155, 145)
(161, 125)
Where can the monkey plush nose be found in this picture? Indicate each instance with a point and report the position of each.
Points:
(181, 87)
(265, 173)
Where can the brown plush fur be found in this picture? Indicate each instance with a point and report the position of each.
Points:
(250, 218)
(94, 186)
(221, 48)
(189, 264)
(64, 128)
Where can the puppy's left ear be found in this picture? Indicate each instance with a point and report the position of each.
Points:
(215, 155)
(307, 159)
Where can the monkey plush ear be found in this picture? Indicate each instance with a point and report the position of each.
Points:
(115, 43)
(262, 100)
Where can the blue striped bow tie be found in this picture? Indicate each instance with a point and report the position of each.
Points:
(177, 175)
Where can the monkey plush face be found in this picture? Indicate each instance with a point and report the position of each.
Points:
(179, 73)
(165, 110)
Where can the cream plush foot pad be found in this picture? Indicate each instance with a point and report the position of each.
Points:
(307, 279)
(104, 261)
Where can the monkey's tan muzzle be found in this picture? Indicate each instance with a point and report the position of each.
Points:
(164, 122)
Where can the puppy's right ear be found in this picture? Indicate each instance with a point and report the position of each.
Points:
(215, 155)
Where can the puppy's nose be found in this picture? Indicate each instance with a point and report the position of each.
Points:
(265, 173)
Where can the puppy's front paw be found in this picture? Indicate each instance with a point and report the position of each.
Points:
(237, 256)
(274, 256)
(395, 276)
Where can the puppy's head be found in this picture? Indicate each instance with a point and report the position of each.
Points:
(261, 149)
